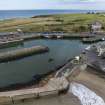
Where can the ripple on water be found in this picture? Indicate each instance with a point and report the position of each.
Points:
(85, 95)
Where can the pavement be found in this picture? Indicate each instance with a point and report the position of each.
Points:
(93, 80)
(65, 99)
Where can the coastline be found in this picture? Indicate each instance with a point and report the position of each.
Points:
(56, 81)
(23, 13)
(52, 23)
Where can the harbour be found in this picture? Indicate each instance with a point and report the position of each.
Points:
(57, 50)
(52, 59)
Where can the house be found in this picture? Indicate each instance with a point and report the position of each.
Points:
(96, 27)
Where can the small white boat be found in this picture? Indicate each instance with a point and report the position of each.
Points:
(59, 37)
(88, 48)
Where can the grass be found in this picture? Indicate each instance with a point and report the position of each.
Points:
(62, 22)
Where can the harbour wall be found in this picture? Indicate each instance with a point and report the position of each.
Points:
(20, 53)
(52, 88)
(7, 100)
(28, 36)
(55, 36)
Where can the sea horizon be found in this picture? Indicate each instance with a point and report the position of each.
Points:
(8, 14)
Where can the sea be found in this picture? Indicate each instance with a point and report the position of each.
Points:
(8, 14)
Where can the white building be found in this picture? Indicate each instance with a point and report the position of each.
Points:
(96, 27)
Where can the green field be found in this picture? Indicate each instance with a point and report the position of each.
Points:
(63, 22)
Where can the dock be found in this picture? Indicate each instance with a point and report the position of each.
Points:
(6, 37)
(91, 40)
(72, 66)
(21, 53)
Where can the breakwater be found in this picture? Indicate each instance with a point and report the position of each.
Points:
(20, 53)
(55, 36)
(93, 39)
(33, 36)
(17, 38)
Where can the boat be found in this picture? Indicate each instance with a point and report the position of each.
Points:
(10, 39)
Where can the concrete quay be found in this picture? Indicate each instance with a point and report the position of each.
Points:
(20, 53)
(53, 87)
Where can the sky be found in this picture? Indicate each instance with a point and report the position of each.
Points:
(52, 4)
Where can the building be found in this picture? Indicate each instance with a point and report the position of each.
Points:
(96, 27)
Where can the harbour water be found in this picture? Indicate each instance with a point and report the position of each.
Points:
(23, 70)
